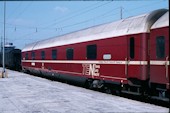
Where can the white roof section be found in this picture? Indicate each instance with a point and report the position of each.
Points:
(132, 25)
(162, 21)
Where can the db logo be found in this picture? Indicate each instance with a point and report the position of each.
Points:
(91, 69)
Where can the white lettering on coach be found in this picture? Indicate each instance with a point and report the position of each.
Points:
(91, 69)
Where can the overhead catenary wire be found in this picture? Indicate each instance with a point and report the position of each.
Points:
(25, 8)
(33, 27)
(10, 14)
(81, 13)
(91, 19)
(75, 13)
(67, 26)
(71, 17)
(50, 27)
(74, 24)
(65, 19)
(70, 25)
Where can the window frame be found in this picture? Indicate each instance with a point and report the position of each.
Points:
(43, 55)
(91, 52)
(33, 55)
(54, 54)
(26, 56)
(160, 49)
(132, 47)
(69, 53)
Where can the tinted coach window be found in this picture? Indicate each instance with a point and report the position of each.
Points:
(132, 48)
(42, 55)
(69, 54)
(160, 47)
(91, 51)
(54, 54)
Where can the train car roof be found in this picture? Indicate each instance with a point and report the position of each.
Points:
(162, 21)
(131, 25)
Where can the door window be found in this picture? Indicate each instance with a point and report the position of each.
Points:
(42, 55)
(91, 51)
(54, 54)
(160, 47)
(69, 53)
(132, 48)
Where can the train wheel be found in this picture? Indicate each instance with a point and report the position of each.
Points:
(88, 84)
(107, 89)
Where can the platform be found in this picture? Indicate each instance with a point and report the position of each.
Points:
(23, 93)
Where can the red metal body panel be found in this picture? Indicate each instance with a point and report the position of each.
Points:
(117, 47)
(159, 72)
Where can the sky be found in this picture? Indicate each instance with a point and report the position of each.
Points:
(31, 21)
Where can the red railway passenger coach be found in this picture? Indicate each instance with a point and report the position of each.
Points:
(114, 56)
(159, 56)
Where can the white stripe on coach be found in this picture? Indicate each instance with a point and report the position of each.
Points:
(138, 63)
(154, 62)
(89, 62)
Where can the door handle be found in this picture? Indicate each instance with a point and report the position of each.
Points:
(126, 65)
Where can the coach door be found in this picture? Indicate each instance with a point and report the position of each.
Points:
(129, 69)
(136, 63)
